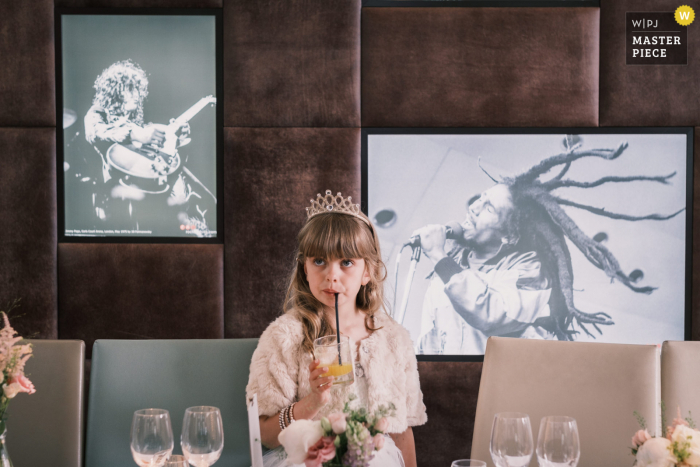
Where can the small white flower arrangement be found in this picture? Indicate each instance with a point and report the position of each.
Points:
(678, 445)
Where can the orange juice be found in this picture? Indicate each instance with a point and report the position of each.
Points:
(337, 370)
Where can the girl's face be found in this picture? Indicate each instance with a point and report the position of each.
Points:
(328, 276)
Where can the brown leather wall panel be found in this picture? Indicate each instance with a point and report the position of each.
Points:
(28, 233)
(140, 3)
(140, 291)
(695, 301)
(270, 176)
(450, 390)
(635, 95)
(27, 64)
(445, 67)
(292, 64)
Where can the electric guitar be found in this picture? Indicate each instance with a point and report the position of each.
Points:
(153, 162)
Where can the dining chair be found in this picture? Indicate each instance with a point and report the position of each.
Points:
(600, 385)
(46, 428)
(680, 370)
(166, 374)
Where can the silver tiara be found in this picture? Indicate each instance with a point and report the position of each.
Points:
(330, 203)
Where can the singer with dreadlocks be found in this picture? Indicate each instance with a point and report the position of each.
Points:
(510, 273)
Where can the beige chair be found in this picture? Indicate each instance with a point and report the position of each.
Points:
(600, 385)
(680, 377)
(46, 428)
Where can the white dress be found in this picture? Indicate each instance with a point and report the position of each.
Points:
(388, 456)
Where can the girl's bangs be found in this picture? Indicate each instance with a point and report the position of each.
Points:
(336, 236)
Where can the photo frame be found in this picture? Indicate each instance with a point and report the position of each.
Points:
(599, 248)
(139, 159)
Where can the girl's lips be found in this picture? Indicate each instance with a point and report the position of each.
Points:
(330, 291)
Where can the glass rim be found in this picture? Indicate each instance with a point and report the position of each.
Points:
(151, 413)
(470, 461)
(202, 409)
(511, 415)
(557, 419)
(343, 339)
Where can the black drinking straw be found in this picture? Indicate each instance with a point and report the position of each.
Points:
(337, 329)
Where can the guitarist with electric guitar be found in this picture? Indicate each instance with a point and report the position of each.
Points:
(142, 170)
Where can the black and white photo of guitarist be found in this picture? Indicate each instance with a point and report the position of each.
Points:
(140, 178)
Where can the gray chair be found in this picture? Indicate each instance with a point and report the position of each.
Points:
(166, 374)
(600, 385)
(680, 370)
(46, 428)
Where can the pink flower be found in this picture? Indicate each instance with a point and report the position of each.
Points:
(382, 424)
(338, 422)
(640, 437)
(378, 441)
(321, 452)
(17, 384)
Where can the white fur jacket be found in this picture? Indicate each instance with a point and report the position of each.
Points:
(279, 371)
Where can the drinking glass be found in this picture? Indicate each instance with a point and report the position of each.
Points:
(337, 357)
(151, 437)
(176, 461)
(202, 438)
(558, 443)
(468, 463)
(511, 440)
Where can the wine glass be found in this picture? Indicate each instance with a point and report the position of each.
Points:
(151, 437)
(511, 440)
(202, 438)
(176, 461)
(468, 463)
(558, 444)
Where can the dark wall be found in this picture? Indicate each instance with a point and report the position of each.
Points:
(301, 77)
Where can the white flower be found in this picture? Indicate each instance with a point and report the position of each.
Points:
(12, 390)
(682, 434)
(655, 453)
(298, 437)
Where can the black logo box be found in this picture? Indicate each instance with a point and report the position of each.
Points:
(655, 38)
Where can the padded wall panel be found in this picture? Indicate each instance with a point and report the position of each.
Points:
(450, 392)
(28, 233)
(140, 291)
(695, 301)
(633, 95)
(140, 3)
(479, 67)
(270, 176)
(27, 63)
(292, 64)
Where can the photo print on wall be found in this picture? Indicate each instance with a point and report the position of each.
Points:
(577, 235)
(138, 106)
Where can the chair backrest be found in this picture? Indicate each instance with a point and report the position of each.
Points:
(680, 378)
(600, 385)
(166, 374)
(46, 428)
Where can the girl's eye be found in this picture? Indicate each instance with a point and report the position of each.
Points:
(319, 261)
(346, 263)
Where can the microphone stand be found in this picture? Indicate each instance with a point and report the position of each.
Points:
(415, 257)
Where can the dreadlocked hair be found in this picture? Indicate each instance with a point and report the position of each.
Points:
(110, 86)
(542, 225)
(335, 235)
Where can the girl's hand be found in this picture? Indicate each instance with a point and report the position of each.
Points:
(320, 387)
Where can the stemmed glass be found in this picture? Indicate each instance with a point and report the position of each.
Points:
(558, 443)
(151, 437)
(511, 440)
(202, 438)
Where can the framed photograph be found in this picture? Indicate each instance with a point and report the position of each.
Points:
(139, 157)
(580, 234)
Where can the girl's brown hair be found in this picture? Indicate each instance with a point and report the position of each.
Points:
(334, 235)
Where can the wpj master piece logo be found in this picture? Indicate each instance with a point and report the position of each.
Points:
(658, 38)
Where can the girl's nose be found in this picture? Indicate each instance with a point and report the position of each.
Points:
(333, 272)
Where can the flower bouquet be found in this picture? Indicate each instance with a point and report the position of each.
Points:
(679, 445)
(347, 439)
(13, 357)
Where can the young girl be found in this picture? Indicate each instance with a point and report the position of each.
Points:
(338, 254)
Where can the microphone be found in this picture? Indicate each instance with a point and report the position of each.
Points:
(454, 231)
